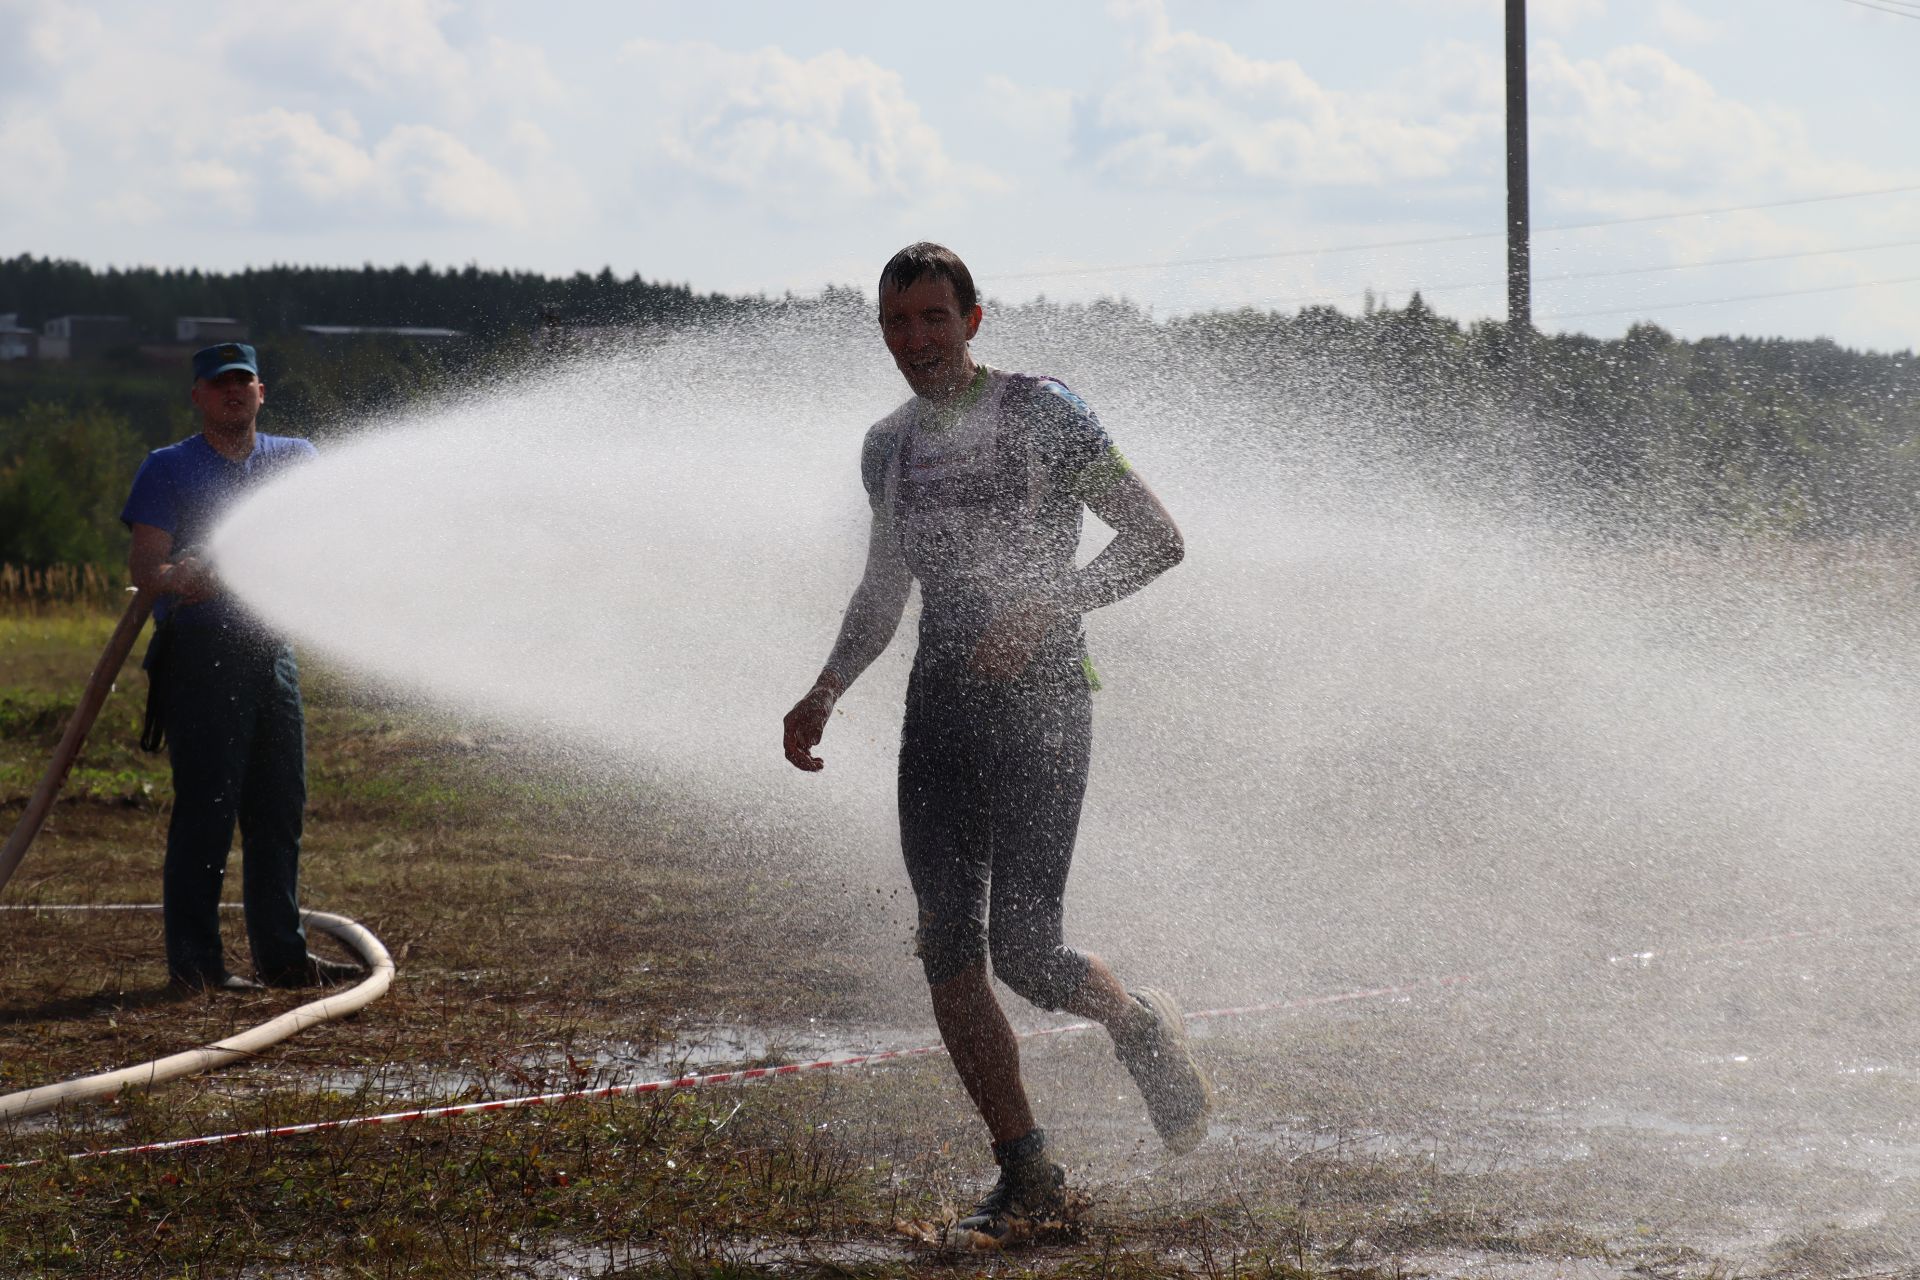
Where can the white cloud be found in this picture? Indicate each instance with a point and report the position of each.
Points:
(237, 146)
(128, 209)
(318, 163)
(426, 168)
(1686, 26)
(1559, 15)
(288, 169)
(211, 185)
(522, 71)
(1639, 122)
(395, 59)
(1190, 109)
(1542, 15)
(58, 34)
(553, 193)
(799, 137)
(415, 170)
(1040, 114)
(35, 162)
(383, 48)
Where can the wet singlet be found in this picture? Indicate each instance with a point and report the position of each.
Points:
(984, 499)
(985, 496)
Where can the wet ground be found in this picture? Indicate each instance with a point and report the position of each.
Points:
(1738, 1110)
(1708, 1085)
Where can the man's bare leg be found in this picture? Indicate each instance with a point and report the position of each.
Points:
(1149, 1037)
(977, 1035)
(1105, 1001)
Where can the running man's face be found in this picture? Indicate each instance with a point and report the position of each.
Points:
(928, 334)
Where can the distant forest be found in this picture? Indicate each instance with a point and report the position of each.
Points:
(281, 298)
(1728, 436)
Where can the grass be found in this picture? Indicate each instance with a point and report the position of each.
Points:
(551, 934)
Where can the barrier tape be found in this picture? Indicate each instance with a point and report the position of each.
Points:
(742, 1076)
(751, 1074)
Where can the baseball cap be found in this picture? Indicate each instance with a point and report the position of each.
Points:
(211, 362)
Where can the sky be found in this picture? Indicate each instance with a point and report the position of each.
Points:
(1071, 148)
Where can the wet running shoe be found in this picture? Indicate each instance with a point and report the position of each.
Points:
(1030, 1195)
(1178, 1094)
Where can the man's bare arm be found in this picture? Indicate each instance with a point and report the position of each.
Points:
(873, 615)
(1146, 543)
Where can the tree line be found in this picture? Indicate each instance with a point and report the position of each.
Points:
(1748, 436)
(279, 299)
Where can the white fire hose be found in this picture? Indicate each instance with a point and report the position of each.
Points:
(355, 937)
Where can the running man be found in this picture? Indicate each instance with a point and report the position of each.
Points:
(977, 485)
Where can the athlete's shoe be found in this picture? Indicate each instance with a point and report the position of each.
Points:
(1031, 1194)
(1178, 1094)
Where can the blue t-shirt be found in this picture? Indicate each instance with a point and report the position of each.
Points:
(185, 488)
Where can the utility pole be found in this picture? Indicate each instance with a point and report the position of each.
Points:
(1519, 254)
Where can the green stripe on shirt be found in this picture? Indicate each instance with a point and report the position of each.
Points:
(1101, 476)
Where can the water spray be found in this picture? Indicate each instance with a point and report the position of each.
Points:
(1399, 991)
(746, 1075)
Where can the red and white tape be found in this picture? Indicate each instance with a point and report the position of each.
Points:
(747, 1075)
(743, 1076)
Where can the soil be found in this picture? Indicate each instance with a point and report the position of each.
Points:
(1744, 1110)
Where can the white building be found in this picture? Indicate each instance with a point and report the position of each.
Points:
(84, 337)
(206, 330)
(16, 341)
(418, 333)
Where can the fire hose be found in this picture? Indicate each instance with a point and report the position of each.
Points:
(355, 937)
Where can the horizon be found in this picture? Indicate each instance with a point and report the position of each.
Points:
(1370, 303)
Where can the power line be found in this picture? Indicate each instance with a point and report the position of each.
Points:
(1457, 285)
(1736, 208)
(1433, 240)
(1671, 266)
(1745, 297)
(1734, 262)
(1881, 8)
(1243, 257)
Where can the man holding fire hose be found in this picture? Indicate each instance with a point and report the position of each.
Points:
(225, 694)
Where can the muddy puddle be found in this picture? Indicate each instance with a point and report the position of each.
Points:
(556, 1067)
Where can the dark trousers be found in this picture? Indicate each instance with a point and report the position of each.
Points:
(991, 780)
(236, 736)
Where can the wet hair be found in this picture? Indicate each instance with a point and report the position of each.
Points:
(926, 258)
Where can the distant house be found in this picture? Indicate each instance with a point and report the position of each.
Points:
(204, 331)
(84, 337)
(330, 333)
(17, 342)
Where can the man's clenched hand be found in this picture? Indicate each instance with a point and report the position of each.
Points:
(191, 579)
(806, 724)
